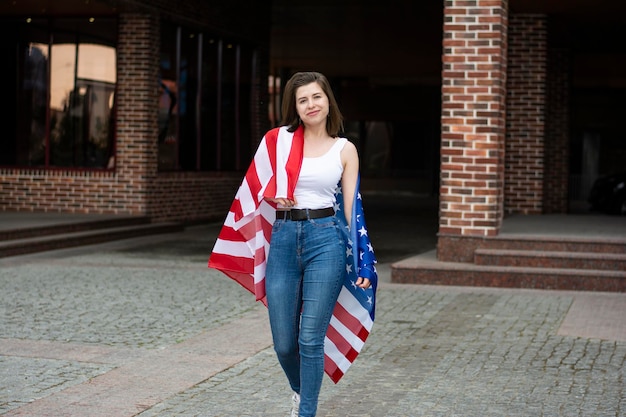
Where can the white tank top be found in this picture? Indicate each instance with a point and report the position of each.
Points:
(319, 177)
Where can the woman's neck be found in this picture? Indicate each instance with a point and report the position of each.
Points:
(316, 132)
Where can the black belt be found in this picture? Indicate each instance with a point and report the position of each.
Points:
(304, 214)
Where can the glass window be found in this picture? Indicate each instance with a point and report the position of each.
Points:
(26, 47)
(65, 77)
(246, 67)
(205, 106)
(229, 146)
(188, 105)
(209, 159)
(168, 98)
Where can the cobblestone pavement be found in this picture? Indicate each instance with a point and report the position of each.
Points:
(143, 328)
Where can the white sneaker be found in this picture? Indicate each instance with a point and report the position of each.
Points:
(295, 405)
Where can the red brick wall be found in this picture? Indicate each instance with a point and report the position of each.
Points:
(63, 191)
(556, 181)
(473, 117)
(192, 197)
(526, 101)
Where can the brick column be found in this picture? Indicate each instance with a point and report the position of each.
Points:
(137, 110)
(472, 122)
(526, 106)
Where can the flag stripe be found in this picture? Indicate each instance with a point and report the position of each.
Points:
(350, 321)
(332, 370)
(355, 341)
(340, 363)
(343, 346)
(352, 303)
(230, 235)
(232, 263)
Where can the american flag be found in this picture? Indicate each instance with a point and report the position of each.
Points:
(244, 240)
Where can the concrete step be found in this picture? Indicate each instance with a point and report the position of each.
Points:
(69, 225)
(426, 269)
(35, 244)
(557, 243)
(551, 259)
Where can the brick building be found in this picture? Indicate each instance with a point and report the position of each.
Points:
(498, 106)
(131, 107)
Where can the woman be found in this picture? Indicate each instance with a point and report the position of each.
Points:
(306, 262)
(294, 178)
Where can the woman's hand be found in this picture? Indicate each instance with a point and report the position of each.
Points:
(285, 202)
(363, 283)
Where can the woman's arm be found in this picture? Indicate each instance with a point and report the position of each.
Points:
(350, 160)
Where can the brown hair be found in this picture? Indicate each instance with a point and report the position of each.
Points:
(334, 122)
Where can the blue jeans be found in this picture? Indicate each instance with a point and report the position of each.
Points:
(305, 270)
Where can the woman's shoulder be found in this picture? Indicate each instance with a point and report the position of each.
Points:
(345, 143)
(275, 131)
(348, 151)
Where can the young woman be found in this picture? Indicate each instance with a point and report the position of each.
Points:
(294, 181)
(306, 262)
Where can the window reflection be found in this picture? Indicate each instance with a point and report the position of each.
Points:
(189, 58)
(64, 84)
(168, 100)
(82, 91)
(32, 150)
(208, 106)
(205, 103)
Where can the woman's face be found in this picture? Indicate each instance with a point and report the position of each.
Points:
(312, 104)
